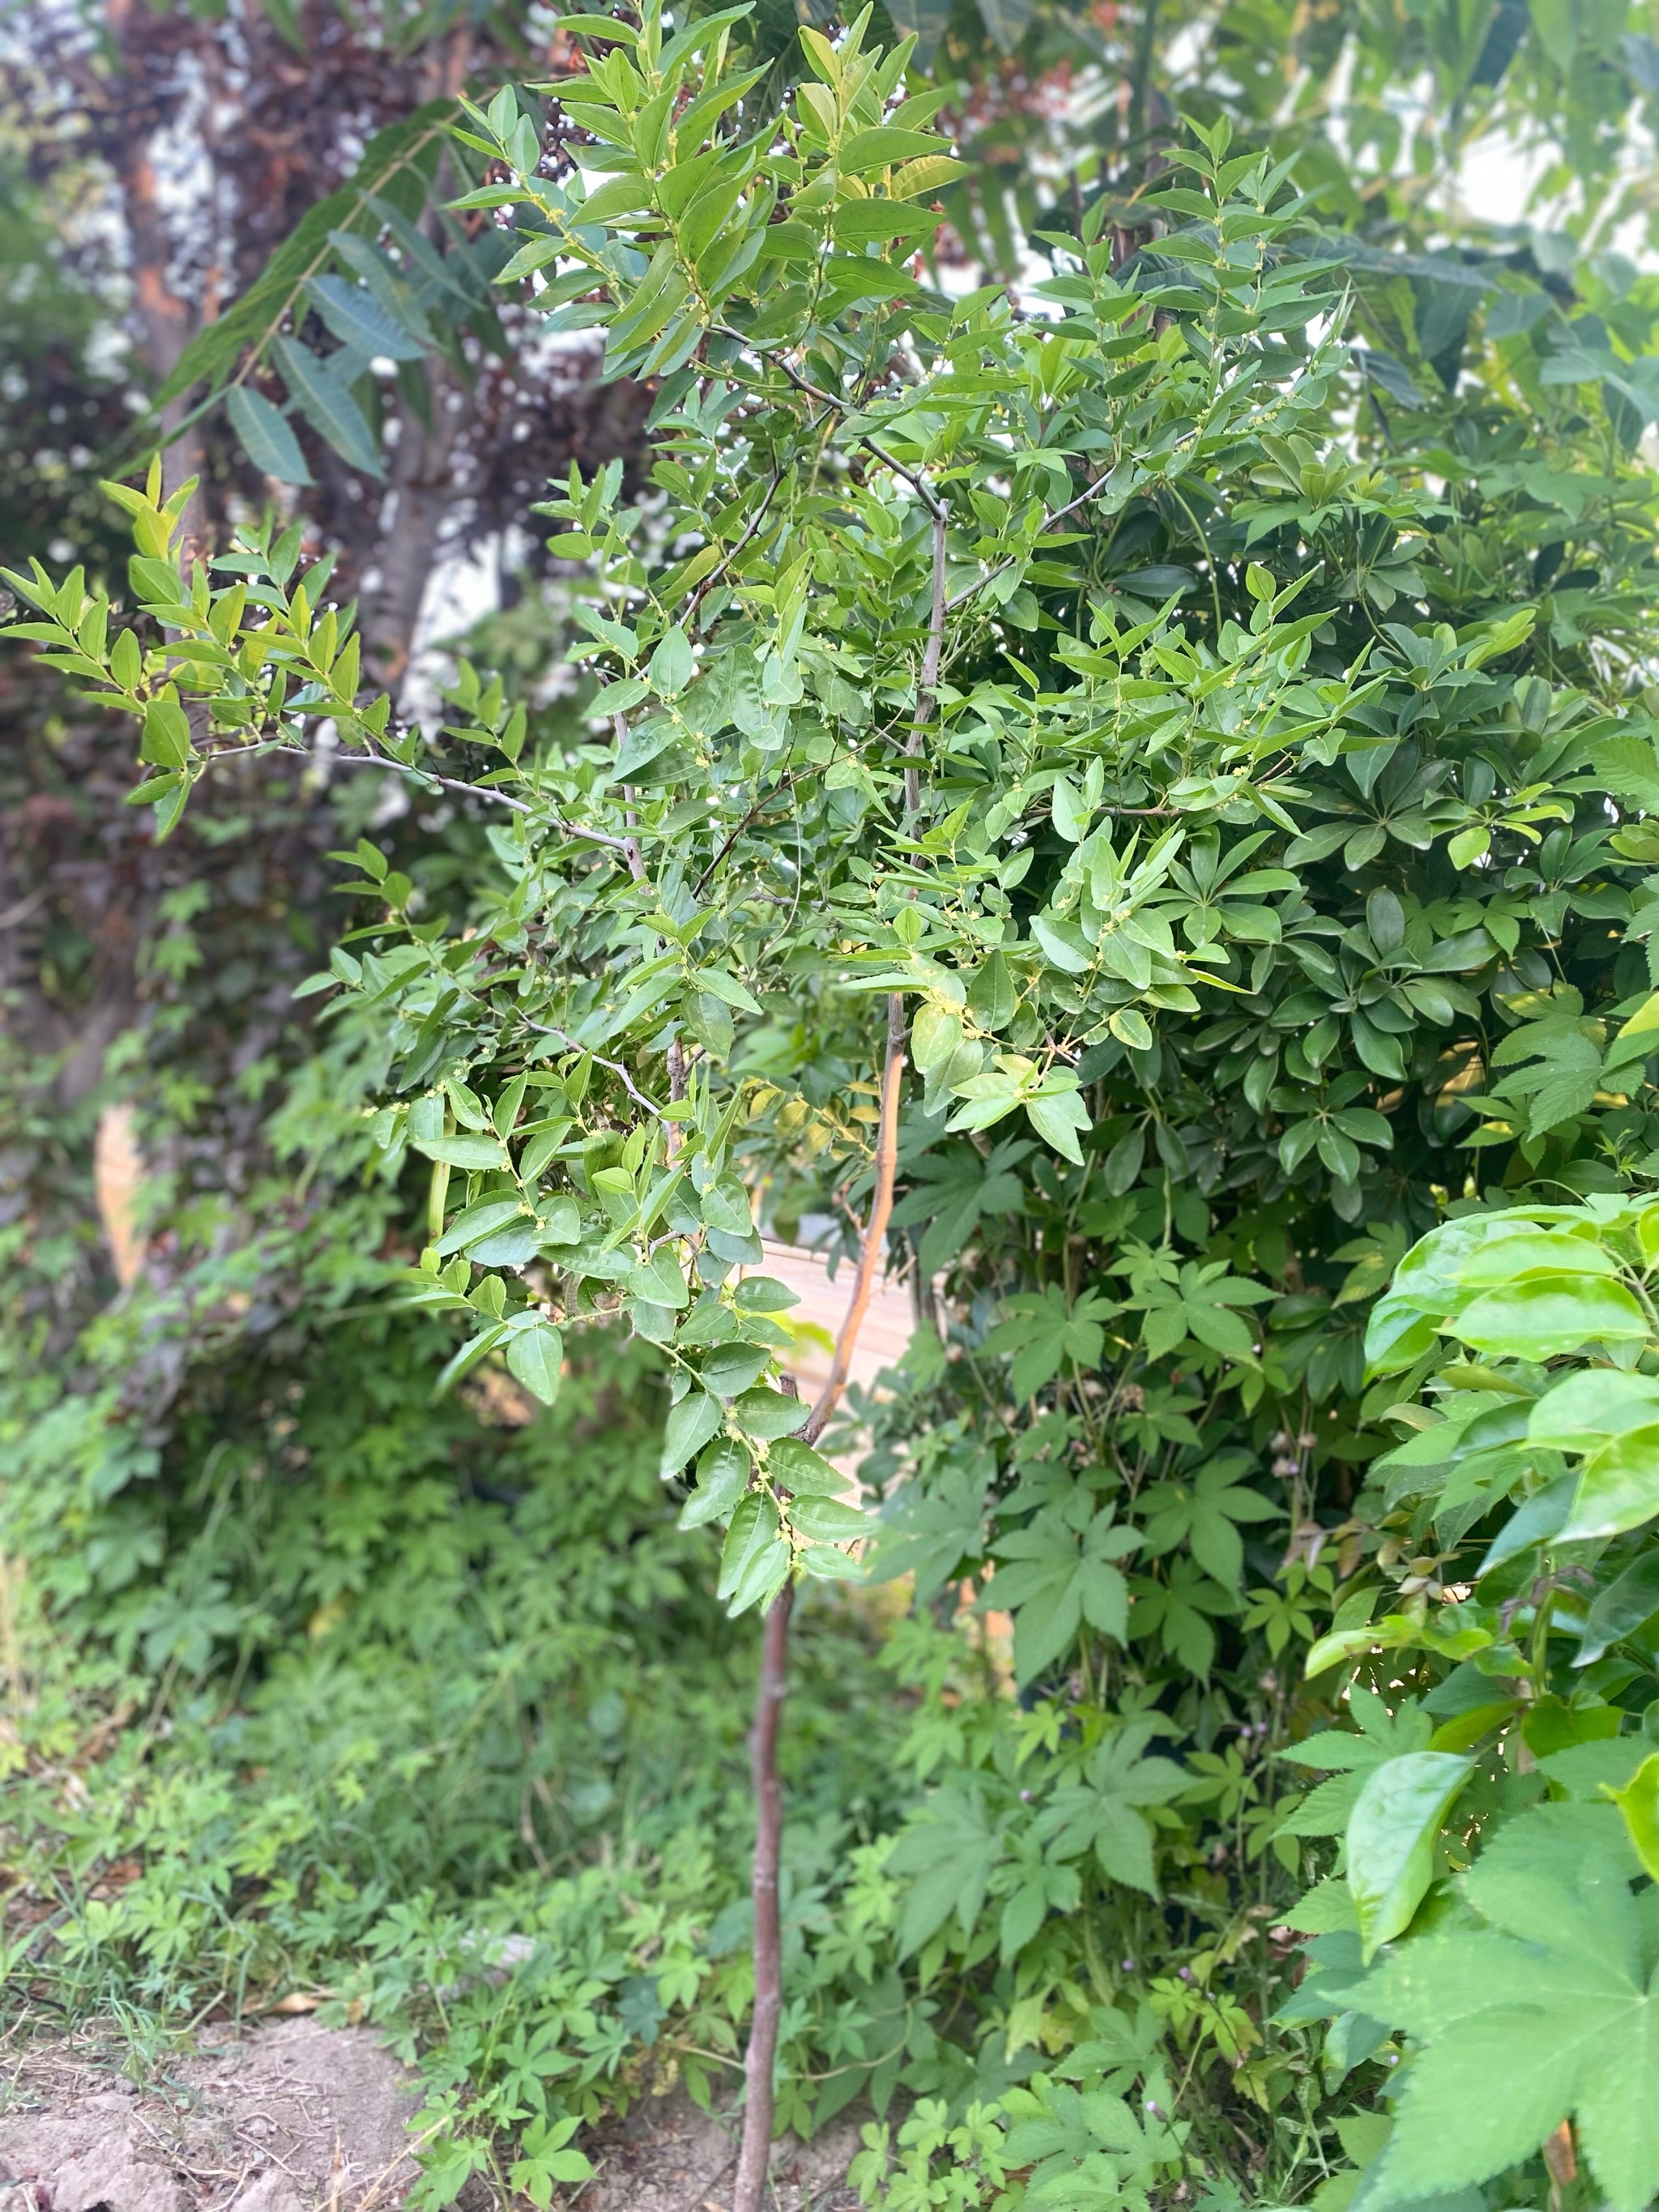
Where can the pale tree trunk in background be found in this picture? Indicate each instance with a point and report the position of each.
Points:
(166, 321)
(420, 492)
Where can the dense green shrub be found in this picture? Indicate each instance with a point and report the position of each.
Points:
(1506, 1694)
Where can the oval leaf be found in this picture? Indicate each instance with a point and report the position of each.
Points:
(535, 1357)
(1391, 1834)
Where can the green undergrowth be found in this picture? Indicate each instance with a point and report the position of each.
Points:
(458, 1741)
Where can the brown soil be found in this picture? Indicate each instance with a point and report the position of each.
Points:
(296, 2118)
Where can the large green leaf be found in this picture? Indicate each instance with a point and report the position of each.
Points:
(1541, 1316)
(402, 155)
(1619, 1488)
(1391, 1836)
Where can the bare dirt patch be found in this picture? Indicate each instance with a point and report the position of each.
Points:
(286, 2118)
(297, 2118)
(666, 2156)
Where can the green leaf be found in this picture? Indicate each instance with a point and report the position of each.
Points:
(829, 1520)
(949, 1854)
(768, 1413)
(477, 1221)
(723, 1474)
(166, 741)
(689, 1425)
(1391, 1838)
(991, 995)
(754, 1561)
(1625, 1605)
(1585, 1409)
(1544, 2013)
(460, 1151)
(883, 146)
(731, 1368)
(1619, 1488)
(535, 1357)
(1102, 1812)
(1059, 1117)
(672, 666)
(795, 1466)
(359, 320)
(1542, 1317)
(266, 436)
(404, 152)
(328, 404)
(1638, 1801)
(1052, 1582)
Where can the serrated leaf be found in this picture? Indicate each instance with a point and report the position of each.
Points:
(358, 320)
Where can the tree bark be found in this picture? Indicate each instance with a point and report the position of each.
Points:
(760, 2057)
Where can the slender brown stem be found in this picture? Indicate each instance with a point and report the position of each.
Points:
(874, 1245)
(760, 2059)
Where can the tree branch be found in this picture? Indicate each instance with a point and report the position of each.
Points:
(919, 484)
(1048, 523)
(650, 1105)
(449, 783)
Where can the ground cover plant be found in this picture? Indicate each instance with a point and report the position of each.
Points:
(1150, 785)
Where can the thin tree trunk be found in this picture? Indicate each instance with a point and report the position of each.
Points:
(165, 320)
(760, 2057)
(760, 2060)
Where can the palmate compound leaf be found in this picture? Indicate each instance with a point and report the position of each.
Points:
(928, 1531)
(952, 1853)
(1201, 1509)
(1052, 1582)
(1547, 2013)
(1104, 1812)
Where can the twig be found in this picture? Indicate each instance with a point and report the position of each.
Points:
(919, 484)
(1048, 523)
(753, 815)
(546, 1028)
(429, 775)
(750, 530)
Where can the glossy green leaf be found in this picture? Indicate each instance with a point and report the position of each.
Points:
(1391, 1839)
